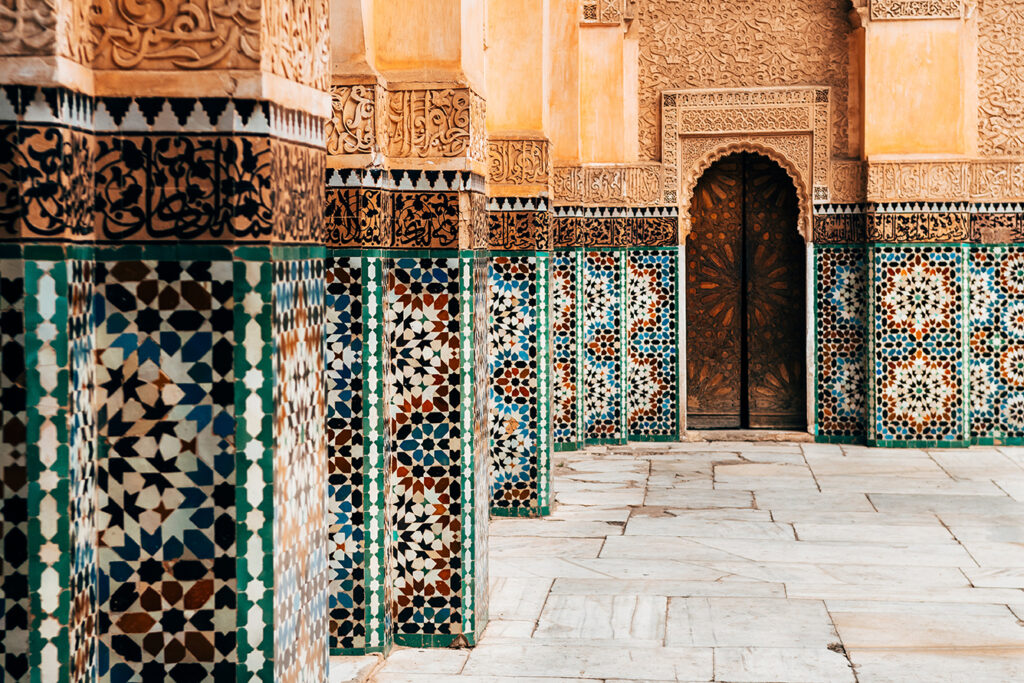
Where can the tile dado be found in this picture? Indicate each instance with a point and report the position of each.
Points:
(919, 222)
(117, 169)
(604, 346)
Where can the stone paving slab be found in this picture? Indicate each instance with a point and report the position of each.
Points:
(731, 561)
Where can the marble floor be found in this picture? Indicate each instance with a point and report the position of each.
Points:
(754, 562)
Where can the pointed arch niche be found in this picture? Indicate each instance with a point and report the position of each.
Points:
(791, 126)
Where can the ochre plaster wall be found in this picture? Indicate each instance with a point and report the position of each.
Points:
(914, 99)
(564, 84)
(602, 109)
(517, 93)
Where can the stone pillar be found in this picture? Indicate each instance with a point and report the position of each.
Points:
(567, 328)
(163, 273)
(604, 326)
(652, 325)
(519, 355)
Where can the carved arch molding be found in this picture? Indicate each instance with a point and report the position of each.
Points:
(789, 125)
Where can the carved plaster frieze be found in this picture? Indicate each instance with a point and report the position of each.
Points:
(608, 185)
(353, 127)
(440, 123)
(518, 161)
(882, 10)
(703, 44)
(849, 181)
(1001, 78)
(602, 12)
(946, 181)
(791, 125)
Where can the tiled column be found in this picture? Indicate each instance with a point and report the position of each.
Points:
(604, 327)
(567, 329)
(918, 327)
(435, 327)
(519, 342)
(358, 448)
(840, 324)
(652, 336)
(163, 297)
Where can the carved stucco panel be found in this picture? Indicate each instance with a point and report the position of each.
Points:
(518, 162)
(353, 127)
(1001, 78)
(741, 43)
(792, 152)
(446, 123)
(915, 9)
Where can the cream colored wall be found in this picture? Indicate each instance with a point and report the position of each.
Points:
(564, 83)
(914, 89)
(516, 77)
(352, 39)
(602, 108)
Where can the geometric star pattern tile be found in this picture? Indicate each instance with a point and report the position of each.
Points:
(565, 286)
(425, 394)
(651, 387)
(918, 339)
(602, 343)
(165, 494)
(841, 341)
(300, 466)
(997, 342)
(513, 372)
(14, 565)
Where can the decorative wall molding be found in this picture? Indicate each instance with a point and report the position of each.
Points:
(789, 125)
(1001, 78)
(946, 180)
(440, 123)
(519, 161)
(602, 12)
(354, 127)
(611, 185)
(882, 10)
(713, 44)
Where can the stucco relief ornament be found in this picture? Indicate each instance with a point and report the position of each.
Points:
(352, 126)
(182, 35)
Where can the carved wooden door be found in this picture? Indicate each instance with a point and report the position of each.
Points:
(714, 300)
(775, 298)
(745, 299)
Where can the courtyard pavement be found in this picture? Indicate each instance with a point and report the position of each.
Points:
(755, 562)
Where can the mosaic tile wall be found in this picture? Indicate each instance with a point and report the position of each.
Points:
(997, 344)
(652, 344)
(918, 343)
(300, 461)
(566, 312)
(14, 522)
(841, 296)
(439, 471)
(518, 343)
(603, 346)
(359, 528)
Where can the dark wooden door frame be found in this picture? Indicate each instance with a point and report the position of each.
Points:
(760, 241)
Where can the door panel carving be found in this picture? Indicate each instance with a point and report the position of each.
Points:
(714, 299)
(745, 283)
(775, 298)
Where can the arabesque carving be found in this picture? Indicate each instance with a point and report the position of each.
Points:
(602, 11)
(435, 123)
(27, 27)
(796, 119)
(175, 34)
(1001, 78)
(518, 161)
(946, 181)
(741, 43)
(611, 185)
(915, 9)
(352, 128)
(849, 182)
(295, 39)
(785, 150)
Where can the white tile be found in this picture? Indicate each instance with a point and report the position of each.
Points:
(938, 666)
(535, 546)
(874, 533)
(352, 669)
(927, 626)
(518, 598)
(592, 661)
(795, 665)
(627, 618)
(743, 622)
(668, 587)
(683, 527)
(1000, 577)
(427, 660)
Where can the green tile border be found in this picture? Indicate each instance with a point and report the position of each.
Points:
(534, 511)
